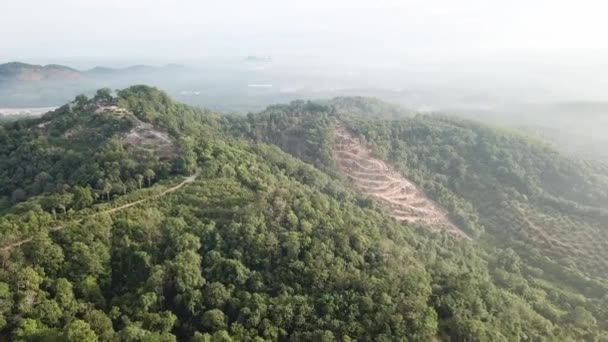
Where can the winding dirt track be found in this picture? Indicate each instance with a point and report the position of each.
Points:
(187, 180)
(404, 201)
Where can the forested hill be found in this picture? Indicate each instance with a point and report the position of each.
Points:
(104, 145)
(262, 246)
(508, 190)
(521, 192)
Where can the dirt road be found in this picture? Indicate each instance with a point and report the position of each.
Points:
(186, 180)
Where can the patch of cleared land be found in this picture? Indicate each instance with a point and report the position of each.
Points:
(144, 137)
(402, 199)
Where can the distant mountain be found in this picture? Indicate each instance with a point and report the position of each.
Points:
(23, 72)
(258, 59)
(134, 69)
(28, 85)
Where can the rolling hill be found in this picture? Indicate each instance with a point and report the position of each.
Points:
(30, 85)
(280, 230)
(22, 72)
(18, 72)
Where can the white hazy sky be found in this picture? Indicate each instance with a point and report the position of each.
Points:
(365, 31)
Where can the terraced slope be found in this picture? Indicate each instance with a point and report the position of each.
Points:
(404, 201)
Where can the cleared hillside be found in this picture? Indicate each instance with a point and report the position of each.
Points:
(520, 191)
(405, 202)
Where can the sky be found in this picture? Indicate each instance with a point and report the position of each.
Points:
(373, 32)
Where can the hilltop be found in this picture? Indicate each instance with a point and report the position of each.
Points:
(105, 143)
(304, 222)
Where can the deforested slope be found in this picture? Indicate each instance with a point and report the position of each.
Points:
(506, 191)
(521, 192)
(405, 202)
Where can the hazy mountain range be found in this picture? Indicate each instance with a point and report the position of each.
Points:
(27, 73)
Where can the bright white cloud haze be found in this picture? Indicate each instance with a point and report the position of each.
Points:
(363, 31)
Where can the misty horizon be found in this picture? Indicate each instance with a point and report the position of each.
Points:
(515, 51)
(358, 32)
(477, 59)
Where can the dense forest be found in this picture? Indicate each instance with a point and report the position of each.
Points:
(250, 233)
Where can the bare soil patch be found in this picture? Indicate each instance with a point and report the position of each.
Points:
(144, 137)
(404, 201)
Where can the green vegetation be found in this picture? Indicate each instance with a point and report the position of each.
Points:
(265, 247)
(519, 190)
(368, 107)
(79, 147)
(301, 128)
(509, 191)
